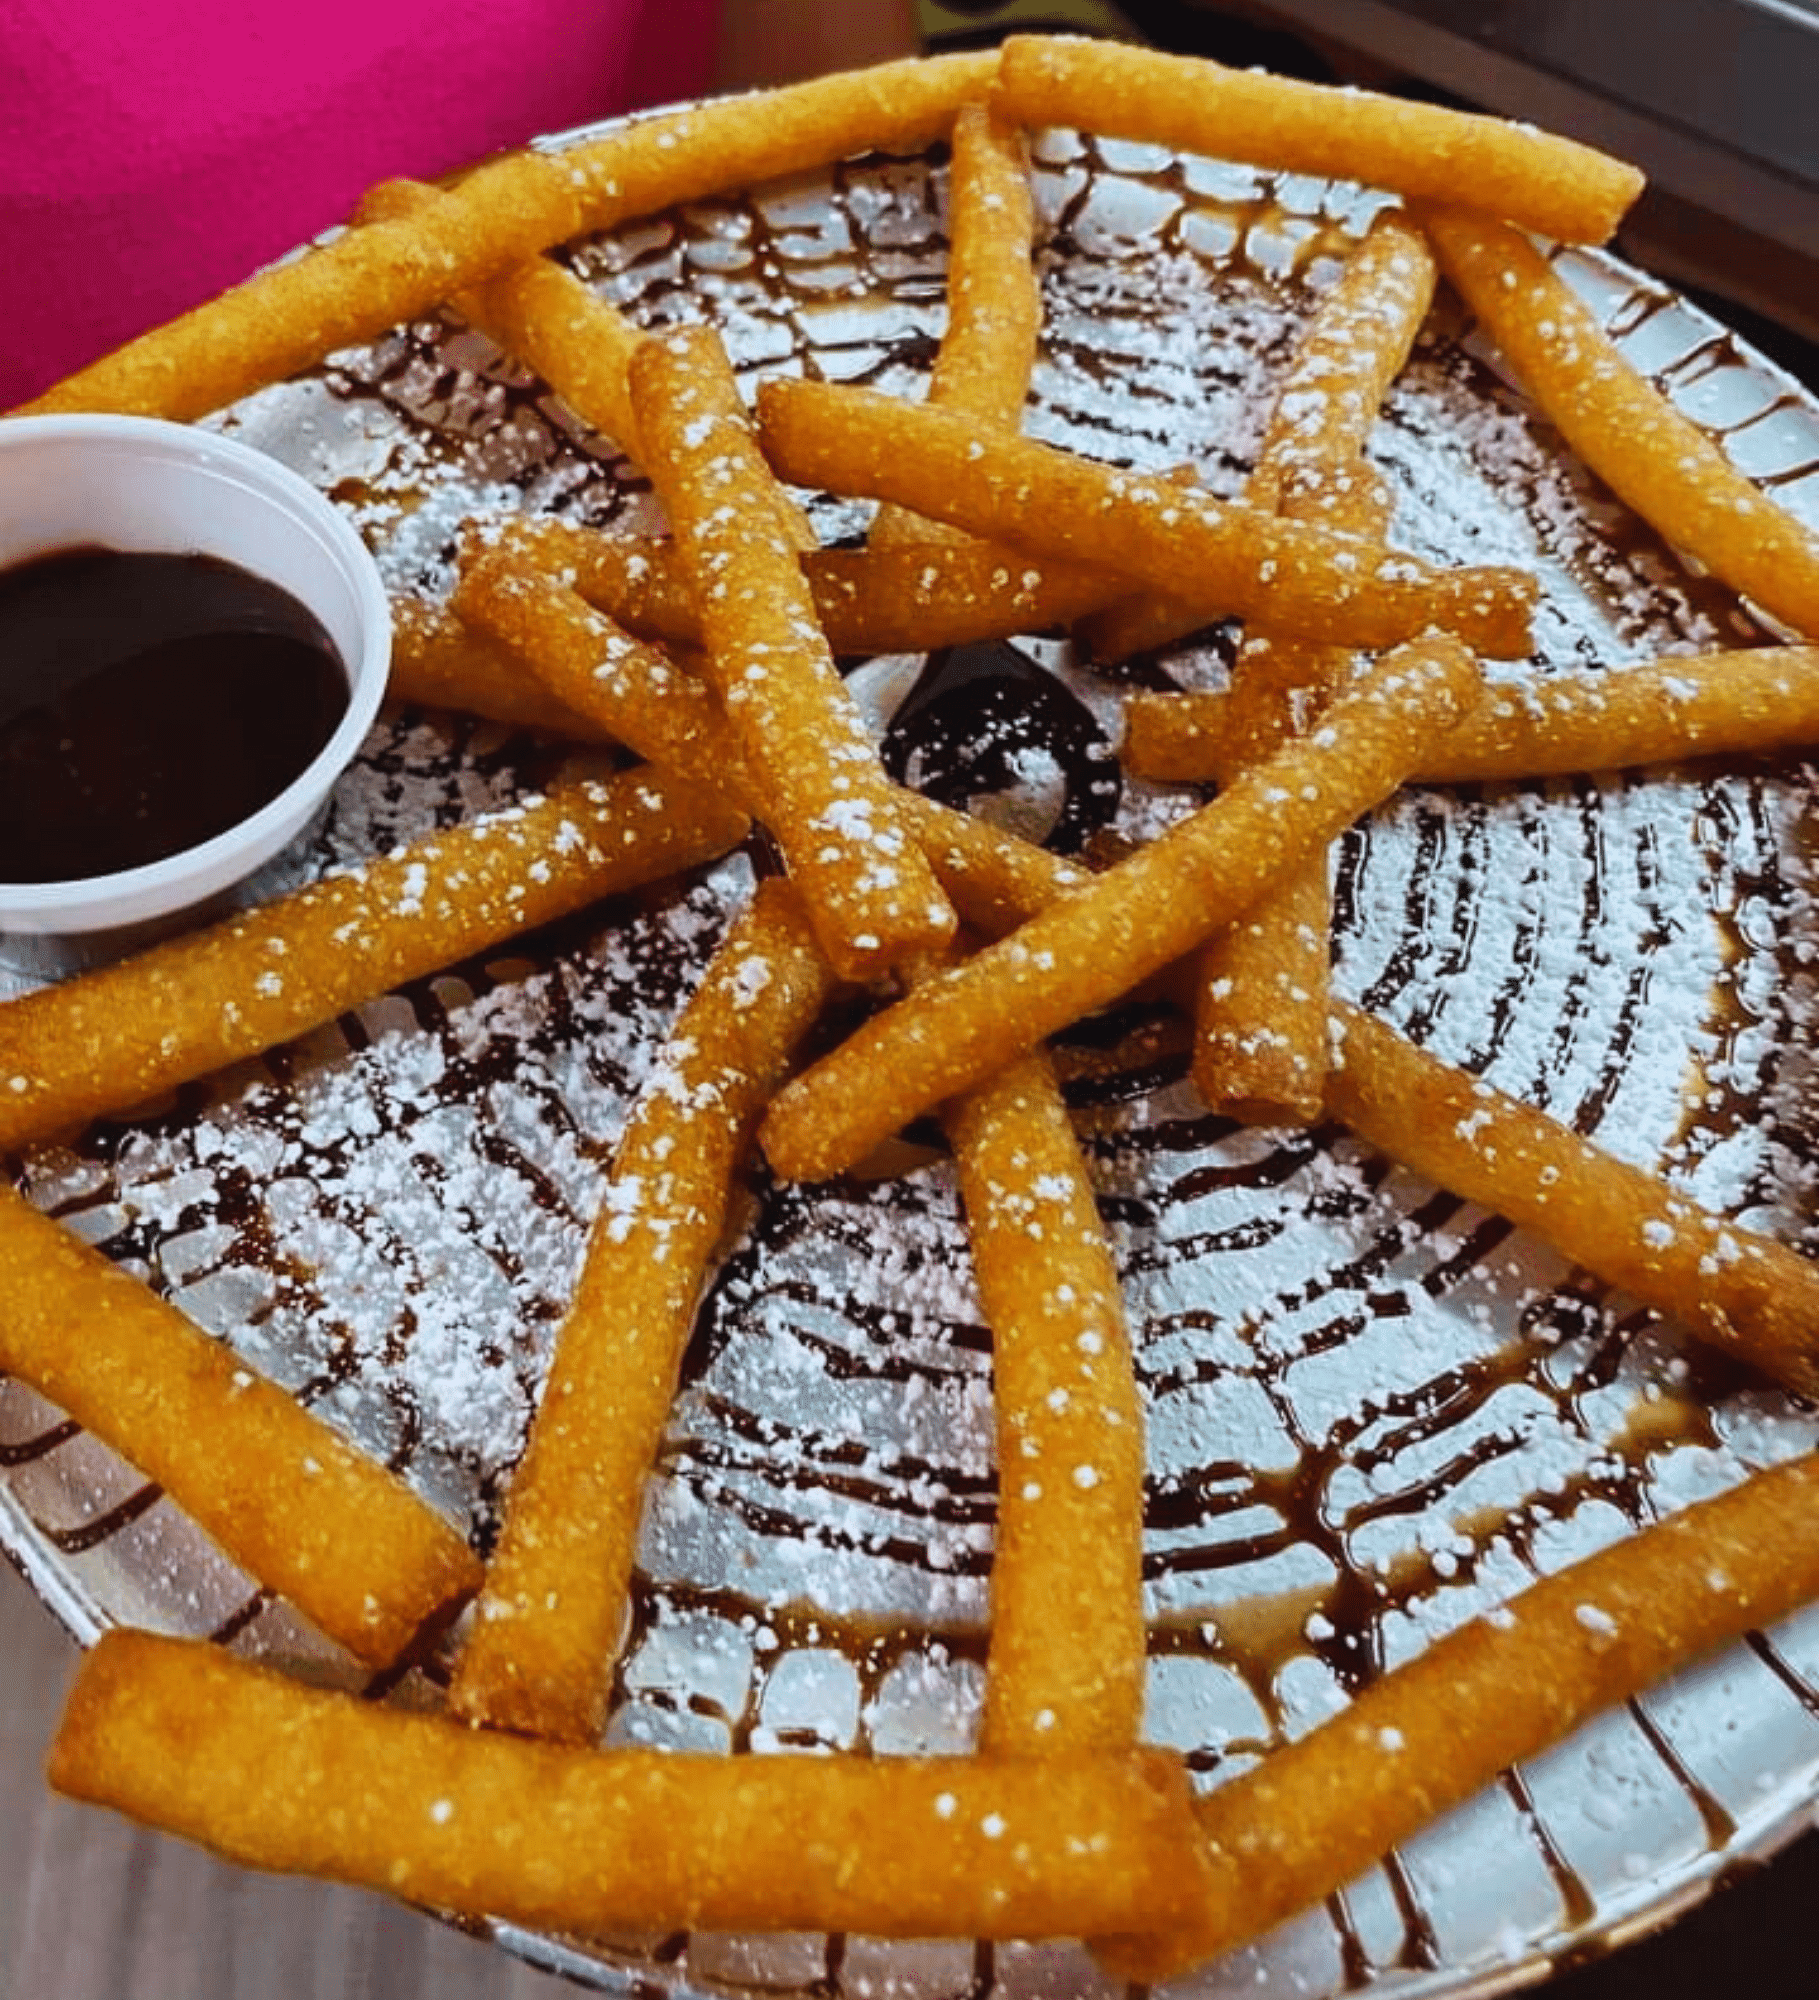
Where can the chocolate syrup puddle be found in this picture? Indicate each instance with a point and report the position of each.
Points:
(985, 722)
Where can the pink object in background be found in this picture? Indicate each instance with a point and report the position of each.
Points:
(151, 153)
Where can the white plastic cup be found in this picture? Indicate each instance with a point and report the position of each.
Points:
(136, 484)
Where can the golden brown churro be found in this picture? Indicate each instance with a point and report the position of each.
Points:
(1432, 1732)
(994, 304)
(1310, 464)
(277, 1775)
(1693, 705)
(1738, 1290)
(579, 658)
(288, 1498)
(1659, 461)
(1064, 1673)
(810, 762)
(1260, 1014)
(1292, 579)
(442, 662)
(910, 599)
(1538, 180)
(114, 1037)
(540, 1656)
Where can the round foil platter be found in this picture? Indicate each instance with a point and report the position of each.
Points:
(1373, 1410)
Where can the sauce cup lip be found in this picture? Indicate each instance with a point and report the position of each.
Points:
(195, 874)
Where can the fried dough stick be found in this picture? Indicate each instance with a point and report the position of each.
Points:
(1310, 464)
(276, 1775)
(1432, 1732)
(910, 599)
(441, 662)
(1260, 999)
(1261, 985)
(110, 1039)
(1536, 179)
(355, 285)
(1260, 1015)
(1101, 940)
(540, 1656)
(808, 755)
(1658, 461)
(996, 880)
(1739, 1291)
(994, 304)
(1064, 1671)
(1289, 578)
(542, 315)
(1762, 699)
(282, 1493)
(558, 326)
(631, 692)
(633, 695)
(1754, 1297)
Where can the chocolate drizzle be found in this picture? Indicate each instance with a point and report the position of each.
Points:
(1578, 1906)
(1796, 1684)
(102, 1527)
(27, 1449)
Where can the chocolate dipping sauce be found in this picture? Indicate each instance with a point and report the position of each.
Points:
(147, 703)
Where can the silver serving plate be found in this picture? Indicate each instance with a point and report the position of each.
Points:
(1374, 1410)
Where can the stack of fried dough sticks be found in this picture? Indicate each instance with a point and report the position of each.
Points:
(1358, 671)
